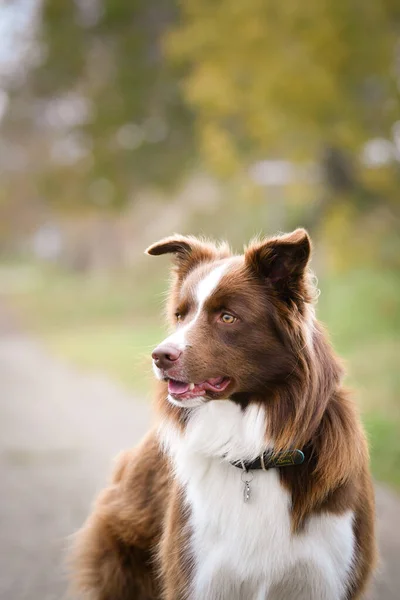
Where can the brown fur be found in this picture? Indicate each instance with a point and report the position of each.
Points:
(134, 545)
(175, 562)
(114, 553)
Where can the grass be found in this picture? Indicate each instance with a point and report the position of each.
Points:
(383, 433)
(121, 351)
(102, 323)
(362, 312)
(111, 323)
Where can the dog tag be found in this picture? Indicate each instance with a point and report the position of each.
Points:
(247, 477)
(246, 491)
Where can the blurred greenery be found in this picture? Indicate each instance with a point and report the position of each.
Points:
(100, 322)
(137, 126)
(142, 94)
(288, 77)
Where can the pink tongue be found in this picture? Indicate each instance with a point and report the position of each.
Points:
(180, 387)
(177, 387)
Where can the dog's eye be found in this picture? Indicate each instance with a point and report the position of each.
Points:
(227, 318)
(178, 316)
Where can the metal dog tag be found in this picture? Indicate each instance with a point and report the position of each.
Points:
(246, 491)
(247, 477)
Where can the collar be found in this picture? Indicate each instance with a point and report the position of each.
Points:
(270, 460)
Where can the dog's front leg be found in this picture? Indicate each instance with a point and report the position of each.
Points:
(113, 557)
(175, 555)
(106, 567)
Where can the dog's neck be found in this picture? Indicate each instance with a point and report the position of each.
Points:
(220, 429)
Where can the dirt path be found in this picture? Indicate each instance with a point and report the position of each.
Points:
(59, 430)
(58, 433)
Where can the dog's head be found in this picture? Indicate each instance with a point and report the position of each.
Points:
(238, 320)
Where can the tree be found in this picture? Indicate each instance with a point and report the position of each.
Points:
(104, 106)
(296, 79)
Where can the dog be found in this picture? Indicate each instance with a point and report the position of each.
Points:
(254, 483)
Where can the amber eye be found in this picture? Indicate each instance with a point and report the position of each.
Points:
(178, 316)
(227, 318)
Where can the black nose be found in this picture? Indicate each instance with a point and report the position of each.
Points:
(166, 355)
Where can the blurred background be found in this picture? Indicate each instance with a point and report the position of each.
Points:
(122, 122)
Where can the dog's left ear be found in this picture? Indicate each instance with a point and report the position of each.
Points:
(281, 260)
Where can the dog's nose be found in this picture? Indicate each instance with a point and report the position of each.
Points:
(166, 355)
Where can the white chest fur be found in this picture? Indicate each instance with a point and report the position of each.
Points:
(246, 551)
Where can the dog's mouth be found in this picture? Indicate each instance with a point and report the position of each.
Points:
(182, 390)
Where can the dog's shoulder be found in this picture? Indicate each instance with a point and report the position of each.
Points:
(135, 501)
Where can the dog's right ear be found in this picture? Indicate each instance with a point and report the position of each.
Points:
(179, 245)
(187, 250)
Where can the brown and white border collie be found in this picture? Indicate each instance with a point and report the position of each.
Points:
(246, 374)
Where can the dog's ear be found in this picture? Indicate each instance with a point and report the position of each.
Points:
(180, 245)
(187, 251)
(281, 261)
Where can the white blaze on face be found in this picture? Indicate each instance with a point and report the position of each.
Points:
(204, 289)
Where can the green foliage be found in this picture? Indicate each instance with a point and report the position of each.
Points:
(138, 129)
(168, 83)
(288, 77)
